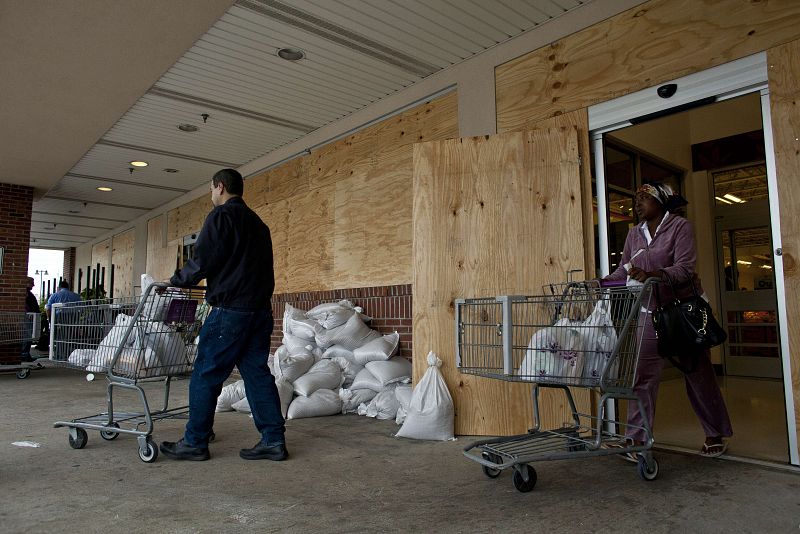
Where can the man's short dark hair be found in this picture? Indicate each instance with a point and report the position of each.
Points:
(63, 285)
(234, 184)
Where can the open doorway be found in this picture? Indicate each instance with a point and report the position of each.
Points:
(714, 156)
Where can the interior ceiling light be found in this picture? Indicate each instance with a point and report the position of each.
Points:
(744, 262)
(723, 200)
(187, 127)
(171, 170)
(139, 163)
(766, 266)
(104, 189)
(291, 54)
(734, 198)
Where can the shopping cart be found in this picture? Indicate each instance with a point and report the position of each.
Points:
(574, 335)
(16, 329)
(133, 341)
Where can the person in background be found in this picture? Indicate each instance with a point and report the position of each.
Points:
(234, 254)
(62, 296)
(664, 243)
(31, 306)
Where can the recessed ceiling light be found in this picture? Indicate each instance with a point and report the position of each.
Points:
(104, 189)
(139, 163)
(187, 127)
(171, 170)
(291, 54)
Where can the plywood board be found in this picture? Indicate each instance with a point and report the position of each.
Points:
(122, 250)
(342, 159)
(784, 87)
(287, 180)
(493, 215)
(310, 237)
(655, 42)
(188, 219)
(276, 216)
(101, 254)
(162, 258)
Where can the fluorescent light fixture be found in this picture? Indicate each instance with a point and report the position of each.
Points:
(104, 189)
(723, 200)
(139, 163)
(743, 262)
(766, 266)
(733, 198)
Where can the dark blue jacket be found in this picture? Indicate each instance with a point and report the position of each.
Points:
(234, 254)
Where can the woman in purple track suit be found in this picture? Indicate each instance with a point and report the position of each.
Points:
(665, 242)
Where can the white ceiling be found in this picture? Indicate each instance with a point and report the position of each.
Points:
(357, 52)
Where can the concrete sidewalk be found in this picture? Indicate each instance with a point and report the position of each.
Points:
(346, 474)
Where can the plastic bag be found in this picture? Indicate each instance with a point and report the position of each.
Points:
(554, 353)
(430, 414)
(600, 339)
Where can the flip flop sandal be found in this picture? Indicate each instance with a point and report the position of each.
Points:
(627, 456)
(715, 450)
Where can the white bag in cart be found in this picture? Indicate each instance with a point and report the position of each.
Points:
(430, 414)
(555, 353)
(600, 341)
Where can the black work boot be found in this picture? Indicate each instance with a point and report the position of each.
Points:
(276, 453)
(181, 451)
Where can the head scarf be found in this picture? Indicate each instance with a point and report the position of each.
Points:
(664, 195)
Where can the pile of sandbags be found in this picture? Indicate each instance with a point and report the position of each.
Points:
(335, 363)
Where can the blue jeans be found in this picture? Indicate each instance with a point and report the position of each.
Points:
(234, 337)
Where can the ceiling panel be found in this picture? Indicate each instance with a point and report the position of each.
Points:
(357, 52)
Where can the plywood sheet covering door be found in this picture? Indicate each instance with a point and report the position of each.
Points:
(654, 42)
(162, 258)
(122, 247)
(492, 215)
(784, 87)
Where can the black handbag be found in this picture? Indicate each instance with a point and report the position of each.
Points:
(685, 328)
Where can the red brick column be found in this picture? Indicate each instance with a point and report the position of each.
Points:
(69, 268)
(16, 203)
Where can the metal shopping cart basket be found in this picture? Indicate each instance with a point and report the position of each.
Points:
(16, 329)
(574, 335)
(133, 341)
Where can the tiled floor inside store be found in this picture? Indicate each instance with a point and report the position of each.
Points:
(346, 474)
(756, 408)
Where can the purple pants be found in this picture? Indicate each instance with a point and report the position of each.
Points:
(701, 386)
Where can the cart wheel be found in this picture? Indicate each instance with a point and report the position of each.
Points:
(151, 454)
(23, 373)
(644, 472)
(491, 472)
(519, 481)
(80, 441)
(109, 435)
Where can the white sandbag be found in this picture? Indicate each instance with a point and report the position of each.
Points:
(396, 369)
(354, 333)
(403, 395)
(383, 406)
(325, 374)
(296, 323)
(327, 337)
(319, 313)
(353, 398)
(293, 366)
(322, 402)
(366, 380)
(242, 406)
(430, 414)
(381, 348)
(296, 345)
(229, 395)
(271, 364)
(349, 368)
(554, 353)
(81, 357)
(285, 393)
(337, 351)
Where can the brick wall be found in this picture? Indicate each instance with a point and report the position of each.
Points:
(69, 268)
(389, 307)
(16, 202)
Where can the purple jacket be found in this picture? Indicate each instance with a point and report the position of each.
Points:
(673, 249)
